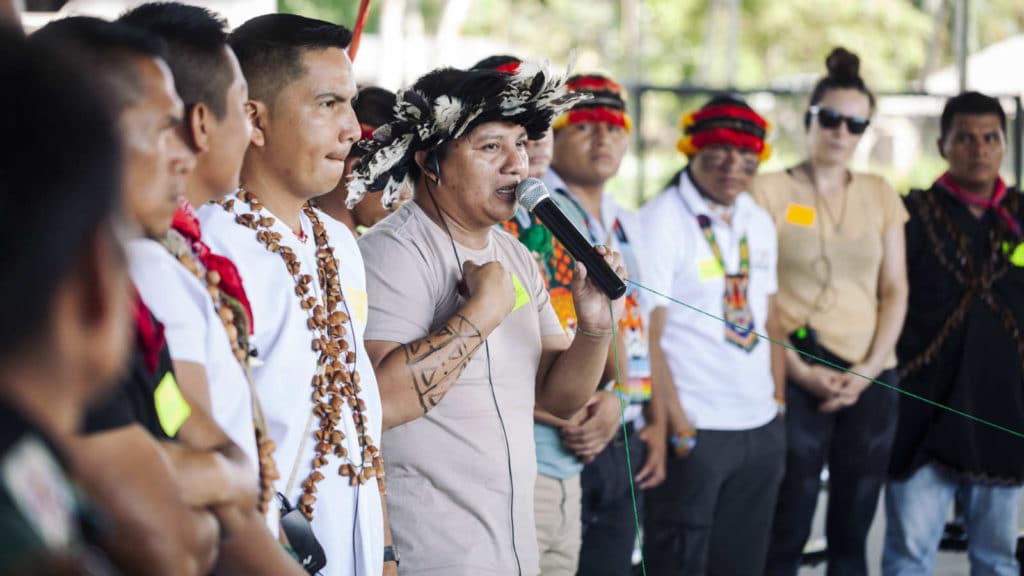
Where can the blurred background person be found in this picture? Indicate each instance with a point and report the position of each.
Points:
(962, 347)
(197, 294)
(64, 295)
(842, 297)
(622, 431)
(717, 247)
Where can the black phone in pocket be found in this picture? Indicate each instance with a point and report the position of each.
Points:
(805, 340)
(299, 532)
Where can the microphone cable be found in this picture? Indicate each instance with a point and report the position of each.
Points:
(441, 214)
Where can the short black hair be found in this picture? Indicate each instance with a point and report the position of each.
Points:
(973, 103)
(53, 197)
(195, 39)
(270, 49)
(495, 62)
(374, 108)
(107, 50)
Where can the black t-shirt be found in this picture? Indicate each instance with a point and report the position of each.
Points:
(978, 368)
(42, 515)
(133, 400)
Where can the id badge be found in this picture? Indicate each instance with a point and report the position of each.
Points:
(299, 532)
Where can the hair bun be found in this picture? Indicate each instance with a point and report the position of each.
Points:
(843, 64)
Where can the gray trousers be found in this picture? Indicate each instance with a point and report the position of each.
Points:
(713, 514)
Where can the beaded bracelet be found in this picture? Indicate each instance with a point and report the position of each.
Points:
(683, 444)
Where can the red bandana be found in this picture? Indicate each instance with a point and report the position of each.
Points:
(149, 334)
(186, 223)
(994, 203)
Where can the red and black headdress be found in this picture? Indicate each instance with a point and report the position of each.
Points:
(724, 120)
(607, 103)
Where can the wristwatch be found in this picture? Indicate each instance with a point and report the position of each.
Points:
(391, 555)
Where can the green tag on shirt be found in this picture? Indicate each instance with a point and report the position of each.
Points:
(522, 296)
(171, 407)
(1017, 257)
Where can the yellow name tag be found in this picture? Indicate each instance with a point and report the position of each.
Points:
(1017, 257)
(709, 269)
(171, 407)
(800, 215)
(357, 303)
(522, 296)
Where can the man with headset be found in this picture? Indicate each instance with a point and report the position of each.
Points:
(467, 341)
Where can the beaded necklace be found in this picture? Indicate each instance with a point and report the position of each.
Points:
(336, 380)
(236, 324)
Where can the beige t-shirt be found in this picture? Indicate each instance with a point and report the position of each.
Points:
(461, 478)
(830, 255)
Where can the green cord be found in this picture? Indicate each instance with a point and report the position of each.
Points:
(836, 366)
(802, 334)
(625, 436)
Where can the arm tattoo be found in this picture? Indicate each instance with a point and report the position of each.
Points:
(437, 361)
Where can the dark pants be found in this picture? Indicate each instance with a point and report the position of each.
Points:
(713, 513)
(609, 529)
(855, 442)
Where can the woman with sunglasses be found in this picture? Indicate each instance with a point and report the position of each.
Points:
(842, 298)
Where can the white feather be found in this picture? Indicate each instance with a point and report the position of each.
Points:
(392, 191)
(447, 111)
(356, 190)
(387, 157)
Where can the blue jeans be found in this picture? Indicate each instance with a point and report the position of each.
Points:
(915, 515)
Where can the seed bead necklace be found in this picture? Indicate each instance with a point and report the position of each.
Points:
(336, 380)
(236, 323)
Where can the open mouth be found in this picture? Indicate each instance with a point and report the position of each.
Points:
(507, 193)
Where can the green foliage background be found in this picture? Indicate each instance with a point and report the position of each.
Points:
(779, 43)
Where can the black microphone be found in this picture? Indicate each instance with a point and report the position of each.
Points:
(533, 195)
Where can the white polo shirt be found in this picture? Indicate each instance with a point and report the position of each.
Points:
(196, 334)
(347, 520)
(720, 386)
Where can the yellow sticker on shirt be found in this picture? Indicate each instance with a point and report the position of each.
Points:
(800, 215)
(522, 296)
(357, 303)
(1017, 257)
(171, 407)
(709, 269)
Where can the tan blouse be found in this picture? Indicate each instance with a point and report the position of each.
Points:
(830, 255)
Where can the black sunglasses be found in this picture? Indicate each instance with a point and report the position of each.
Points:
(831, 119)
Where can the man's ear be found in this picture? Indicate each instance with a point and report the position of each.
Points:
(199, 118)
(259, 117)
(420, 158)
(942, 149)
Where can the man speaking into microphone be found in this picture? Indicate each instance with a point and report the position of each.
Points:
(461, 330)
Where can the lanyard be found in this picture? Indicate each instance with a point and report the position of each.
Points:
(709, 235)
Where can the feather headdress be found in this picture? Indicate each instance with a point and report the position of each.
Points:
(445, 105)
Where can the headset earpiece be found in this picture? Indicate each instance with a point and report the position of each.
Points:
(433, 164)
